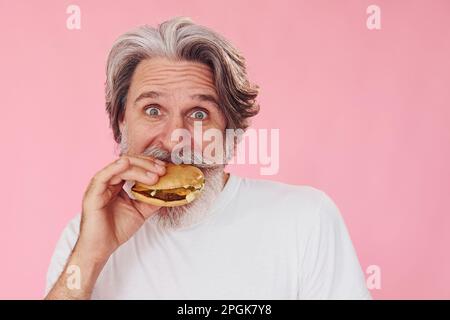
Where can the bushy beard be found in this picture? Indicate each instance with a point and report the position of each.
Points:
(195, 211)
(188, 214)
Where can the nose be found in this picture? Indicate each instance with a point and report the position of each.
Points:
(174, 126)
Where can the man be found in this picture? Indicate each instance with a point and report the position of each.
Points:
(241, 239)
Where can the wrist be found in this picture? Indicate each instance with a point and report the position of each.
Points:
(90, 252)
(82, 257)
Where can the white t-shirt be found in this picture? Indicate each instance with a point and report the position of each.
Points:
(261, 240)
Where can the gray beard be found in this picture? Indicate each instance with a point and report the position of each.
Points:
(197, 210)
(191, 213)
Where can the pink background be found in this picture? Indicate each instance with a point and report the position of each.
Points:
(363, 115)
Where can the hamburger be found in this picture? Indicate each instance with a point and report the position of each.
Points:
(179, 186)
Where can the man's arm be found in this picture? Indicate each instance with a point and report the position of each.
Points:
(108, 219)
(78, 277)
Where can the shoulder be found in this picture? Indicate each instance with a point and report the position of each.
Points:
(281, 190)
(305, 203)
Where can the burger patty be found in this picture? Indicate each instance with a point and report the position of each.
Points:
(167, 196)
(163, 195)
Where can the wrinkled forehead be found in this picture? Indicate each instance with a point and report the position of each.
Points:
(172, 76)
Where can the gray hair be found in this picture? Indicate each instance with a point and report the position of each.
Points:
(181, 39)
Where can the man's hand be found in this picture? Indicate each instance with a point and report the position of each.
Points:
(109, 218)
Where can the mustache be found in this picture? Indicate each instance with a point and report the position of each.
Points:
(194, 158)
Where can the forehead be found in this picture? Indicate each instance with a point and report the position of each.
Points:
(170, 75)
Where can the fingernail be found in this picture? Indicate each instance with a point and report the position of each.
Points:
(120, 161)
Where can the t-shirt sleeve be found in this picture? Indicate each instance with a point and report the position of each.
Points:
(62, 251)
(330, 268)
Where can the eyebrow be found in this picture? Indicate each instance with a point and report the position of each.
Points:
(148, 94)
(155, 95)
(205, 97)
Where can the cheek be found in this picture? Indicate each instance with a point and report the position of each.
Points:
(222, 122)
(140, 133)
(217, 121)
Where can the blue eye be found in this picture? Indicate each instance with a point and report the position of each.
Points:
(199, 115)
(153, 111)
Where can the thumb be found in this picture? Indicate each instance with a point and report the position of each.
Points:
(145, 209)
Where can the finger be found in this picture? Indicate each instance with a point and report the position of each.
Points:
(158, 161)
(145, 209)
(100, 182)
(148, 164)
(137, 174)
